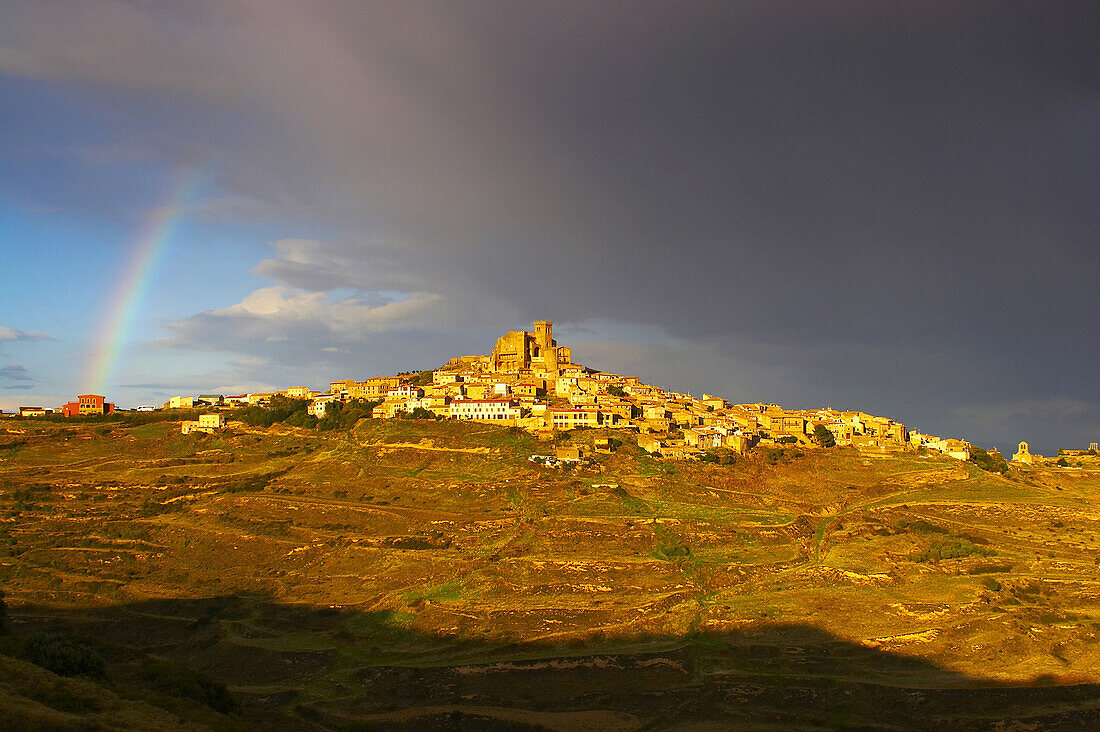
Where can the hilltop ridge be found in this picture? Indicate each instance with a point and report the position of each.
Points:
(530, 381)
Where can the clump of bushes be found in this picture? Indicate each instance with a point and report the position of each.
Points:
(950, 549)
(344, 415)
(419, 413)
(824, 436)
(255, 482)
(179, 681)
(990, 461)
(776, 455)
(63, 655)
(421, 378)
(990, 584)
(719, 456)
(293, 412)
(672, 552)
(280, 409)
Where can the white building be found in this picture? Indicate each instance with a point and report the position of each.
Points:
(320, 404)
(485, 410)
(405, 391)
(208, 423)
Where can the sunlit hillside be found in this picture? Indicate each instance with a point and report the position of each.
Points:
(422, 573)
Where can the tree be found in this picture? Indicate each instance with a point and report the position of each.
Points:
(991, 461)
(616, 391)
(63, 655)
(279, 409)
(824, 436)
(419, 413)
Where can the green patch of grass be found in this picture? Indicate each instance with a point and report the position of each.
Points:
(151, 431)
(632, 503)
(453, 590)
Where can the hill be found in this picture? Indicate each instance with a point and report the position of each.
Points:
(428, 574)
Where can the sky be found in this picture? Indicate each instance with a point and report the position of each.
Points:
(881, 206)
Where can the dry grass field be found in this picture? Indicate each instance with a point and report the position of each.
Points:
(427, 575)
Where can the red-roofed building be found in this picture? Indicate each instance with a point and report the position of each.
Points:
(88, 404)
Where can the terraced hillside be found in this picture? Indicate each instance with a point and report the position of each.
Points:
(427, 574)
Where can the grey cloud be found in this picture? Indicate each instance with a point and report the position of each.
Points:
(315, 265)
(281, 314)
(11, 334)
(280, 328)
(14, 372)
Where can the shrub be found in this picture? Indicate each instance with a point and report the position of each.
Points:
(419, 413)
(991, 461)
(1062, 462)
(63, 655)
(342, 416)
(423, 378)
(672, 552)
(279, 409)
(721, 456)
(175, 680)
(824, 436)
(254, 482)
(952, 549)
(301, 418)
(920, 526)
(772, 455)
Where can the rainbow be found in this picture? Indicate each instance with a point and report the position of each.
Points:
(140, 265)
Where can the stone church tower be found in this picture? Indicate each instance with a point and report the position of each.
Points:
(520, 350)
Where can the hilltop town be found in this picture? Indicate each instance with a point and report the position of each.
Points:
(511, 520)
(530, 382)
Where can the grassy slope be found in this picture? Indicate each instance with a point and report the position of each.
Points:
(439, 544)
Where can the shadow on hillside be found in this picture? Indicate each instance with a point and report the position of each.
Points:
(300, 667)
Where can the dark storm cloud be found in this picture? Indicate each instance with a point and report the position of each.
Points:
(888, 204)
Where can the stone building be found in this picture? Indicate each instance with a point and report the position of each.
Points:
(208, 423)
(521, 350)
(1023, 455)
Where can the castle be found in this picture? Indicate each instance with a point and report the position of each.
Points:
(521, 350)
